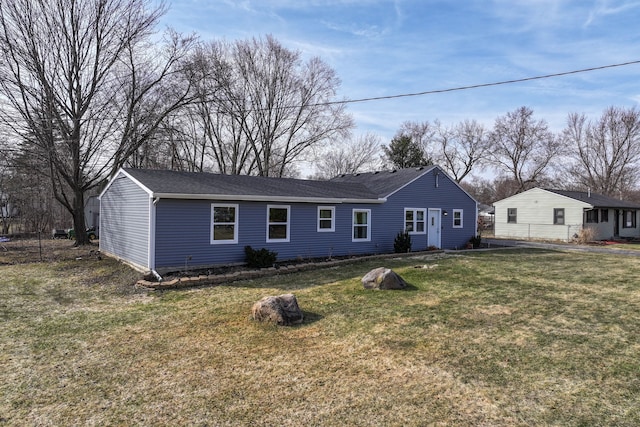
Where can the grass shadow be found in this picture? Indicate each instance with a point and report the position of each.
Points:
(310, 317)
(410, 288)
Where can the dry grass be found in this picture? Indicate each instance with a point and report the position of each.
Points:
(22, 251)
(494, 338)
(586, 235)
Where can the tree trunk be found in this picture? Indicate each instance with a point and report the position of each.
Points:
(79, 225)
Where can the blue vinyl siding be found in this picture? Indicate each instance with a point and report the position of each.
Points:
(423, 193)
(124, 222)
(182, 232)
(183, 227)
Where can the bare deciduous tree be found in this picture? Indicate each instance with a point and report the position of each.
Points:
(361, 154)
(522, 147)
(460, 148)
(84, 87)
(421, 133)
(261, 108)
(605, 153)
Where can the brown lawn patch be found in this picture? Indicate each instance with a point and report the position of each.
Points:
(504, 338)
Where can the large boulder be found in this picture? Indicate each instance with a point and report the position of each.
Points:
(279, 310)
(383, 278)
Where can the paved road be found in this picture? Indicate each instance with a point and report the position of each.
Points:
(560, 246)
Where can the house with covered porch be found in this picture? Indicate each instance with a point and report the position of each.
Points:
(560, 215)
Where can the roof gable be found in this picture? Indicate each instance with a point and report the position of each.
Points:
(385, 183)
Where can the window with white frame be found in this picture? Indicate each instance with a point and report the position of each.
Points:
(224, 224)
(278, 223)
(414, 221)
(361, 225)
(457, 218)
(326, 218)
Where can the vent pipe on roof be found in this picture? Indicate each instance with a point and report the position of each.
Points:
(589, 192)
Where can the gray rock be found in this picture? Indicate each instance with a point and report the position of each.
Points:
(383, 278)
(279, 310)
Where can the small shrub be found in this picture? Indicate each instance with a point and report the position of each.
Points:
(585, 235)
(262, 258)
(476, 241)
(402, 242)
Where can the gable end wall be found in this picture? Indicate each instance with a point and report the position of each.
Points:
(535, 216)
(125, 221)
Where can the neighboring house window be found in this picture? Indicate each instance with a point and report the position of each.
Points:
(457, 218)
(414, 221)
(512, 215)
(326, 218)
(592, 215)
(604, 215)
(224, 224)
(629, 219)
(361, 225)
(277, 223)
(558, 216)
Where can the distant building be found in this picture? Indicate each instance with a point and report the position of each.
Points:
(560, 215)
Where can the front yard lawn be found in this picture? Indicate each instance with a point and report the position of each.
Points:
(505, 337)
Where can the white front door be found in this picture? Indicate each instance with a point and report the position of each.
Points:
(433, 229)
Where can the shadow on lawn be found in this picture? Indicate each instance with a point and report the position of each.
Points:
(310, 317)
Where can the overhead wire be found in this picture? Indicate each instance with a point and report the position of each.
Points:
(480, 85)
(429, 92)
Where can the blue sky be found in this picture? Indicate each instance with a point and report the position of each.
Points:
(381, 48)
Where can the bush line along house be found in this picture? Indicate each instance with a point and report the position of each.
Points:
(560, 215)
(160, 220)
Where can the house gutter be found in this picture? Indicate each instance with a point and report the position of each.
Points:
(252, 198)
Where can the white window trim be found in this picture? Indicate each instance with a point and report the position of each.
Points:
(288, 223)
(235, 224)
(353, 225)
(415, 221)
(333, 219)
(453, 218)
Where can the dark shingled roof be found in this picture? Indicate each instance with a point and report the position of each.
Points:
(385, 182)
(197, 184)
(596, 200)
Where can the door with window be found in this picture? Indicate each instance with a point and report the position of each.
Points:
(433, 229)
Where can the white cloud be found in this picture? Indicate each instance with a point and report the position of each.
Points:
(607, 7)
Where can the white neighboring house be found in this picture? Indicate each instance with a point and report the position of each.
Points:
(92, 212)
(560, 215)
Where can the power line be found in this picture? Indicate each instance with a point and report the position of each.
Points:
(476, 86)
(407, 95)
